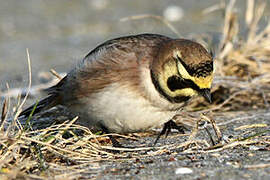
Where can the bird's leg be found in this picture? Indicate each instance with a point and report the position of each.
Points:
(180, 129)
(163, 131)
(115, 143)
(168, 126)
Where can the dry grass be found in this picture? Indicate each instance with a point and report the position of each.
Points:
(243, 65)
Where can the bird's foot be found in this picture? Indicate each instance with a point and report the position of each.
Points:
(168, 126)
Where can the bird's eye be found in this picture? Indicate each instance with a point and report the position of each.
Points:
(175, 83)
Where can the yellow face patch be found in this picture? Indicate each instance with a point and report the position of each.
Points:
(169, 69)
(203, 82)
(176, 68)
(186, 92)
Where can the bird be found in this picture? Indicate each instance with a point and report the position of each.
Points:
(133, 83)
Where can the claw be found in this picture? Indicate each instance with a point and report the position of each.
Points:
(168, 126)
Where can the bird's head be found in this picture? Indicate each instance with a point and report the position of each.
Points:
(182, 69)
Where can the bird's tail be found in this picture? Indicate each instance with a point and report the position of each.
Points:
(44, 104)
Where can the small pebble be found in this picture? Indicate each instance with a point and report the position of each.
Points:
(99, 4)
(215, 155)
(173, 13)
(254, 148)
(183, 170)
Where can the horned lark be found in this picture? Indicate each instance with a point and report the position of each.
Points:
(133, 83)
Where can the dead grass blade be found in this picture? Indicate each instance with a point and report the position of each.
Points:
(159, 18)
(4, 113)
(257, 166)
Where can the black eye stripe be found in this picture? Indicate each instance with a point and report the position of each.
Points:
(175, 83)
(191, 84)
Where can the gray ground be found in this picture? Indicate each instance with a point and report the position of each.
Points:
(232, 163)
(243, 161)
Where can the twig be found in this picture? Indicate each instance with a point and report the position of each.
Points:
(56, 74)
(160, 18)
(258, 12)
(55, 147)
(250, 126)
(11, 124)
(222, 104)
(4, 113)
(213, 8)
(17, 113)
(29, 82)
(230, 145)
(214, 125)
(133, 149)
(257, 166)
(249, 12)
(227, 24)
(242, 118)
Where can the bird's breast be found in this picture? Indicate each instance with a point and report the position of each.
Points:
(121, 110)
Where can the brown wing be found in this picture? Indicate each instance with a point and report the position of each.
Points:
(116, 60)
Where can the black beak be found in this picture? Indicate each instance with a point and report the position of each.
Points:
(206, 94)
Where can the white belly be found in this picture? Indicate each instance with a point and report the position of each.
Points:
(121, 111)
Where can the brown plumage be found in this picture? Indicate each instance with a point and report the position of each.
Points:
(133, 83)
